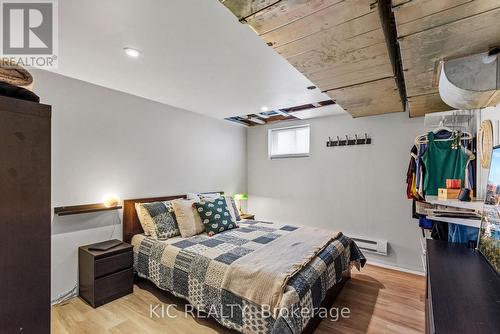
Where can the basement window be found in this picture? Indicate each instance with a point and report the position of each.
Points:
(289, 142)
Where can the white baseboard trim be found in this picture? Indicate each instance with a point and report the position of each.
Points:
(388, 266)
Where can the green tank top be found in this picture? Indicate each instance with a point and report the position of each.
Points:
(441, 163)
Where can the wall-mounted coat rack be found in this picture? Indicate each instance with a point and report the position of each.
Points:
(348, 142)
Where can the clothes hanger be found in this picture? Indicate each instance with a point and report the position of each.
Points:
(464, 135)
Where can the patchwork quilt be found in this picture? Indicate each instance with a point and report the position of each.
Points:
(193, 268)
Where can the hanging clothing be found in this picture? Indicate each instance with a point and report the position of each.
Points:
(420, 166)
(460, 234)
(442, 162)
(440, 231)
(425, 223)
(469, 169)
(420, 170)
(410, 175)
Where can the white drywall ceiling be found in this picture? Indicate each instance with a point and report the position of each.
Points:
(329, 110)
(195, 55)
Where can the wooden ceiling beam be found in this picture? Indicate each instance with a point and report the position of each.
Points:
(391, 38)
(424, 104)
(369, 99)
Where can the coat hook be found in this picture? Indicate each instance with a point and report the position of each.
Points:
(356, 136)
(346, 139)
(338, 141)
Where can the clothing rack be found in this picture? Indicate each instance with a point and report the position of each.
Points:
(457, 122)
(457, 135)
(349, 142)
(462, 120)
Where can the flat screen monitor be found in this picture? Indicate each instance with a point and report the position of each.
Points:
(489, 235)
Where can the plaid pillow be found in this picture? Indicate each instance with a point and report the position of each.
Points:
(215, 215)
(163, 218)
(235, 208)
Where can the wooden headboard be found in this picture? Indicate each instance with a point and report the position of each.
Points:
(131, 223)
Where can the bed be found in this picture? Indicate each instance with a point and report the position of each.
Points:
(197, 269)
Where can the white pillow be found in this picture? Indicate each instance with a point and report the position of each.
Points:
(209, 195)
(193, 196)
(188, 219)
(147, 222)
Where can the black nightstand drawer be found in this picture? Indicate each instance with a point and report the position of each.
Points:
(113, 264)
(113, 286)
(105, 275)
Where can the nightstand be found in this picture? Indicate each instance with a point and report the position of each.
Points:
(247, 216)
(105, 275)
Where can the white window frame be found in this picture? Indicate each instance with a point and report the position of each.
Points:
(284, 156)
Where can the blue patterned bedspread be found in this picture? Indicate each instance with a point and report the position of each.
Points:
(193, 268)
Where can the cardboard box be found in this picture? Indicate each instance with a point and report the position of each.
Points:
(444, 193)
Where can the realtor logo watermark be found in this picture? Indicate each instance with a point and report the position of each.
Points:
(232, 311)
(29, 33)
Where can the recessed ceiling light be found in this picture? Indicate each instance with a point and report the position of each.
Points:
(131, 52)
(264, 108)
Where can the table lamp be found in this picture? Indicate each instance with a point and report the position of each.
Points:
(239, 198)
(110, 201)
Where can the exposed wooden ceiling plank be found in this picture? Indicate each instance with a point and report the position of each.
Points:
(471, 35)
(325, 19)
(257, 120)
(423, 104)
(379, 66)
(422, 51)
(285, 12)
(418, 16)
(413, 11)
(419, 83)
(357, 67)
(368, 99)
(358, 33)
(330, 59)
(245, 8)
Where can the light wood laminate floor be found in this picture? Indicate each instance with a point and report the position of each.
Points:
(381, 301)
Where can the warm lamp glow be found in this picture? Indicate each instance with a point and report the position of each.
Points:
(131, 52)
(239, 198)
(110, 201)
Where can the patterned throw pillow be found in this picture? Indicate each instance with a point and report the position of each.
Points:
(163, 218)
(187, 217)
(215, 215)
(235, 209)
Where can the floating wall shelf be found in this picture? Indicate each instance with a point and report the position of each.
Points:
(86, 208)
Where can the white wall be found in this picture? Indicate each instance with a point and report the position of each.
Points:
(104, 141)
(359, 190)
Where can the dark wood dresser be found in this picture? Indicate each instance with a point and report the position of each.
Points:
(25, 212)
(105, 275)
(463, 291)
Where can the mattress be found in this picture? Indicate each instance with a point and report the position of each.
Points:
(193, 268)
